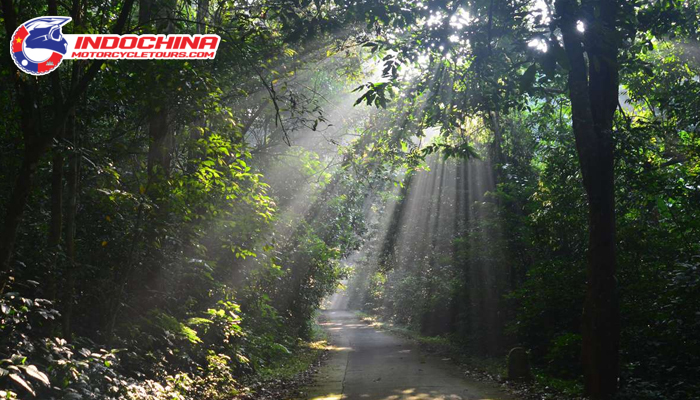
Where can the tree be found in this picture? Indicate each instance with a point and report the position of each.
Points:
(593, 91)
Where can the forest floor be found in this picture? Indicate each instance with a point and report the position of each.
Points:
(365, 362)
(285, 378)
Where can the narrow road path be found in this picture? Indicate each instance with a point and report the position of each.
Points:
(368, 364)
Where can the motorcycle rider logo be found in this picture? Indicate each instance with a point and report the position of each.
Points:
(38, 45)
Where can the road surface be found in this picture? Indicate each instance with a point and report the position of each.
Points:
(368, 364)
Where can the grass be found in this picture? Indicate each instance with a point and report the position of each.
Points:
(568, 387)
(299, 359)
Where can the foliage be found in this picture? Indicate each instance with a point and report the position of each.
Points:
(182, 222)
(522, 241)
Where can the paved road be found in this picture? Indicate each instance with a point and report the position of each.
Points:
(367, 364)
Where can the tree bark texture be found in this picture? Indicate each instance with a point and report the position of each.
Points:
(593, 91)
(72, 183)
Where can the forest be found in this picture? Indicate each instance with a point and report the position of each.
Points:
(481, 175)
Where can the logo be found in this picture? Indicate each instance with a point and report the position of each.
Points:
(38, 45)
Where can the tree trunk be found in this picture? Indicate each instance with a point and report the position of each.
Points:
(15, 206)
(160, 151)
(593, 93)
(202, 12)
(495, 119)
(71, 212)
(160, 146)
(144, 11)
(56, 223)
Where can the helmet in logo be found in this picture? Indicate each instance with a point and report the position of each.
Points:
(38, 45)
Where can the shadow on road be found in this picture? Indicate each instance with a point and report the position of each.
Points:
(368, 364)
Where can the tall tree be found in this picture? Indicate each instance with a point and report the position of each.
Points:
(593, 90)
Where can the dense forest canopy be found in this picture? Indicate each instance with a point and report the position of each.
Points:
(496, 173)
